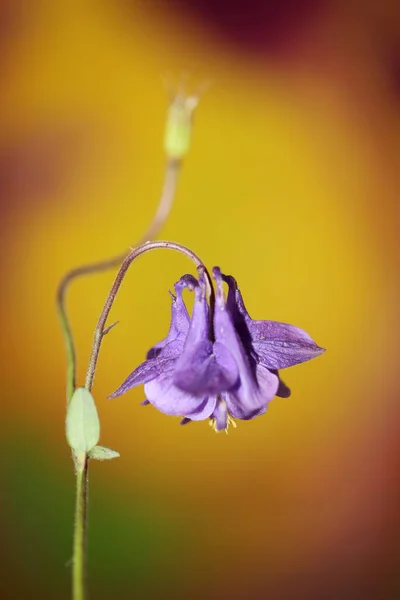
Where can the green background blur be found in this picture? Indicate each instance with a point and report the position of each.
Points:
(292, 186)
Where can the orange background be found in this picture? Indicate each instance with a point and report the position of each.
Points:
(290, 185)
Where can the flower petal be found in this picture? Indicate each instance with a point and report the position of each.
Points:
(277, 345)
(151, 368)
(249, 395)
(199, 328)
(234, 303)
(237, 411)
(220, 415)
(205, 368)
(179, 315)
(171, 400)
(267, 388)
(205, 410)
(145, 372)
(283, 390)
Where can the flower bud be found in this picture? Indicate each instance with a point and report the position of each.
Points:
(179, 126)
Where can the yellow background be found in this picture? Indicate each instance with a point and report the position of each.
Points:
(290, 185)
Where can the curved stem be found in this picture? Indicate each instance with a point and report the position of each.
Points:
(162, 212)
(100, 328)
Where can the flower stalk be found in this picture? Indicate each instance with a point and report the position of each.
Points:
(84, 427)
(82, 462)
(101, 324)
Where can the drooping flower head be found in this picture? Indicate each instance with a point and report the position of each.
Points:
(219, 363)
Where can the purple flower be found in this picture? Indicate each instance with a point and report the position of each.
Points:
(220, 363)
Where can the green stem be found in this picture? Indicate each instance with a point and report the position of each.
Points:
(79, 549)
(81, 463)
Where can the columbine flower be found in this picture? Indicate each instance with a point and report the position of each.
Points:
(220, 364)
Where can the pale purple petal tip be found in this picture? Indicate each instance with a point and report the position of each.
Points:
(220, 415)
(145, 372)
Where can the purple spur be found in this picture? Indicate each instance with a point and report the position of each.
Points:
(218, 364)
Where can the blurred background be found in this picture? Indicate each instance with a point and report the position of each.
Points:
(291, 185)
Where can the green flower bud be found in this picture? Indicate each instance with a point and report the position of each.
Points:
(179, 126)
